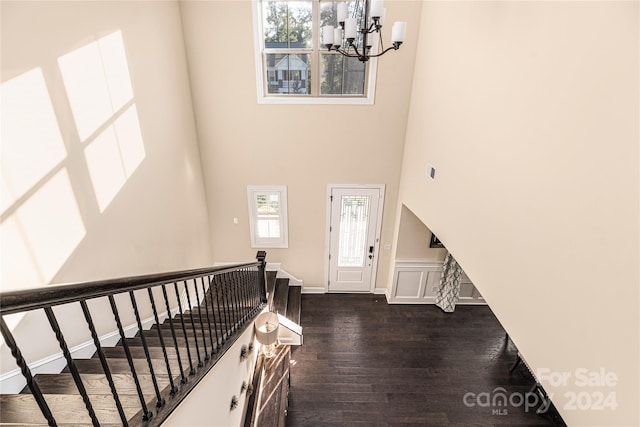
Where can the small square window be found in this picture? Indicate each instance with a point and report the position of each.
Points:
(268, 216)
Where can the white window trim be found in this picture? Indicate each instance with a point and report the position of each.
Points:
(303, 100)
(283, 241)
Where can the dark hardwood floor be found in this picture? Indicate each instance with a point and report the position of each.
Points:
(365, 362)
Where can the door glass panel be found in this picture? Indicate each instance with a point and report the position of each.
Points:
(354, 215)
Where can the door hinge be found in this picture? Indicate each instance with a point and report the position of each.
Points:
(331, 198)
(329, 256)
(330, 229)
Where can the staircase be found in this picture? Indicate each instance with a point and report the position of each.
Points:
(268, 407)
(152, 372)
(283, 298)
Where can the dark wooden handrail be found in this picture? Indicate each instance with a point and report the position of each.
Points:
(52, 295)
(230, 295)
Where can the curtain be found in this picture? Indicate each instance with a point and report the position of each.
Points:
(449, 289)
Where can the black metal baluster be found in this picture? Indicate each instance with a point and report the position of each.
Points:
(238, 287)
(174, 389)
(103, 362)
(173, 334)
(71, 365)
(241, 296)
(247, 295)
(234, 299)
(222, 314)
(216, 288)
(213, 313)
(261, 256)
(146, 413)
(255, 297)
(258, 285)
(206, 308)
(225, 303)
(199, 303)
(26, 372)
(193, 323)
(250, 293)
(192, 371)
(160, 400)
(252, 288)
(241, 288)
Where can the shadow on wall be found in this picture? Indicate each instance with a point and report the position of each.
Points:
(41, 223)
(41, 220)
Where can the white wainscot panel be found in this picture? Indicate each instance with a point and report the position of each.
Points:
(413, 282)
(409, 284)
(417, 282)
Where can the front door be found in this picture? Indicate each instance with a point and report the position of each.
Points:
(354, 235)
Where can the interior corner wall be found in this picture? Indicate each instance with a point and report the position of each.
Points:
(414, 239)
(305, 147)
(158, 219)
(529, 112)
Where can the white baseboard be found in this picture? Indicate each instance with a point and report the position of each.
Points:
(313, 290)
(13, 382)
(383, 291)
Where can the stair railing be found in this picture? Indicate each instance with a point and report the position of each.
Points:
(222, 300)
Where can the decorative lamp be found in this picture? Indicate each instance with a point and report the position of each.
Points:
(266, 326)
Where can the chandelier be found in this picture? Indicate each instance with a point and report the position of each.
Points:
(352, 37)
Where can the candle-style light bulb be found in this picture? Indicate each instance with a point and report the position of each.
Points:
(351, 28)
(327, 35)
(342, 12)
(337, 37)
(398, 32)
(376, 9)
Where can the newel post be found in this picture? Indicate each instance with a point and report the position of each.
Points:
(261, 256)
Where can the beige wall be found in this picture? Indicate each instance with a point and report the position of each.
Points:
(305, 147)
(414, 238)
(529, 112)
(158, 219)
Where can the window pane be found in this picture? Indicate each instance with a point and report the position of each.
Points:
(352, 247)
(287, 24)
(288, 73)
(268, 228)
(341, 75)
(329, 16)
(268, 204)
(328, 13)
(268, 215)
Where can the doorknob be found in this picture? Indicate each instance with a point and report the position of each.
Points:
(371, 252)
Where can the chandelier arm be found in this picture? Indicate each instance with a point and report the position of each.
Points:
(384, 51)
(358, 54)
(373, 27)
(381, 43)
(350, 55)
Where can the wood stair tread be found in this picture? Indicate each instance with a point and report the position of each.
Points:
(293, 303)
(121, 366)
(97, 384)
(138, 352)
(67, 409)
(281, 295)
(182, 342)
(271, 281)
